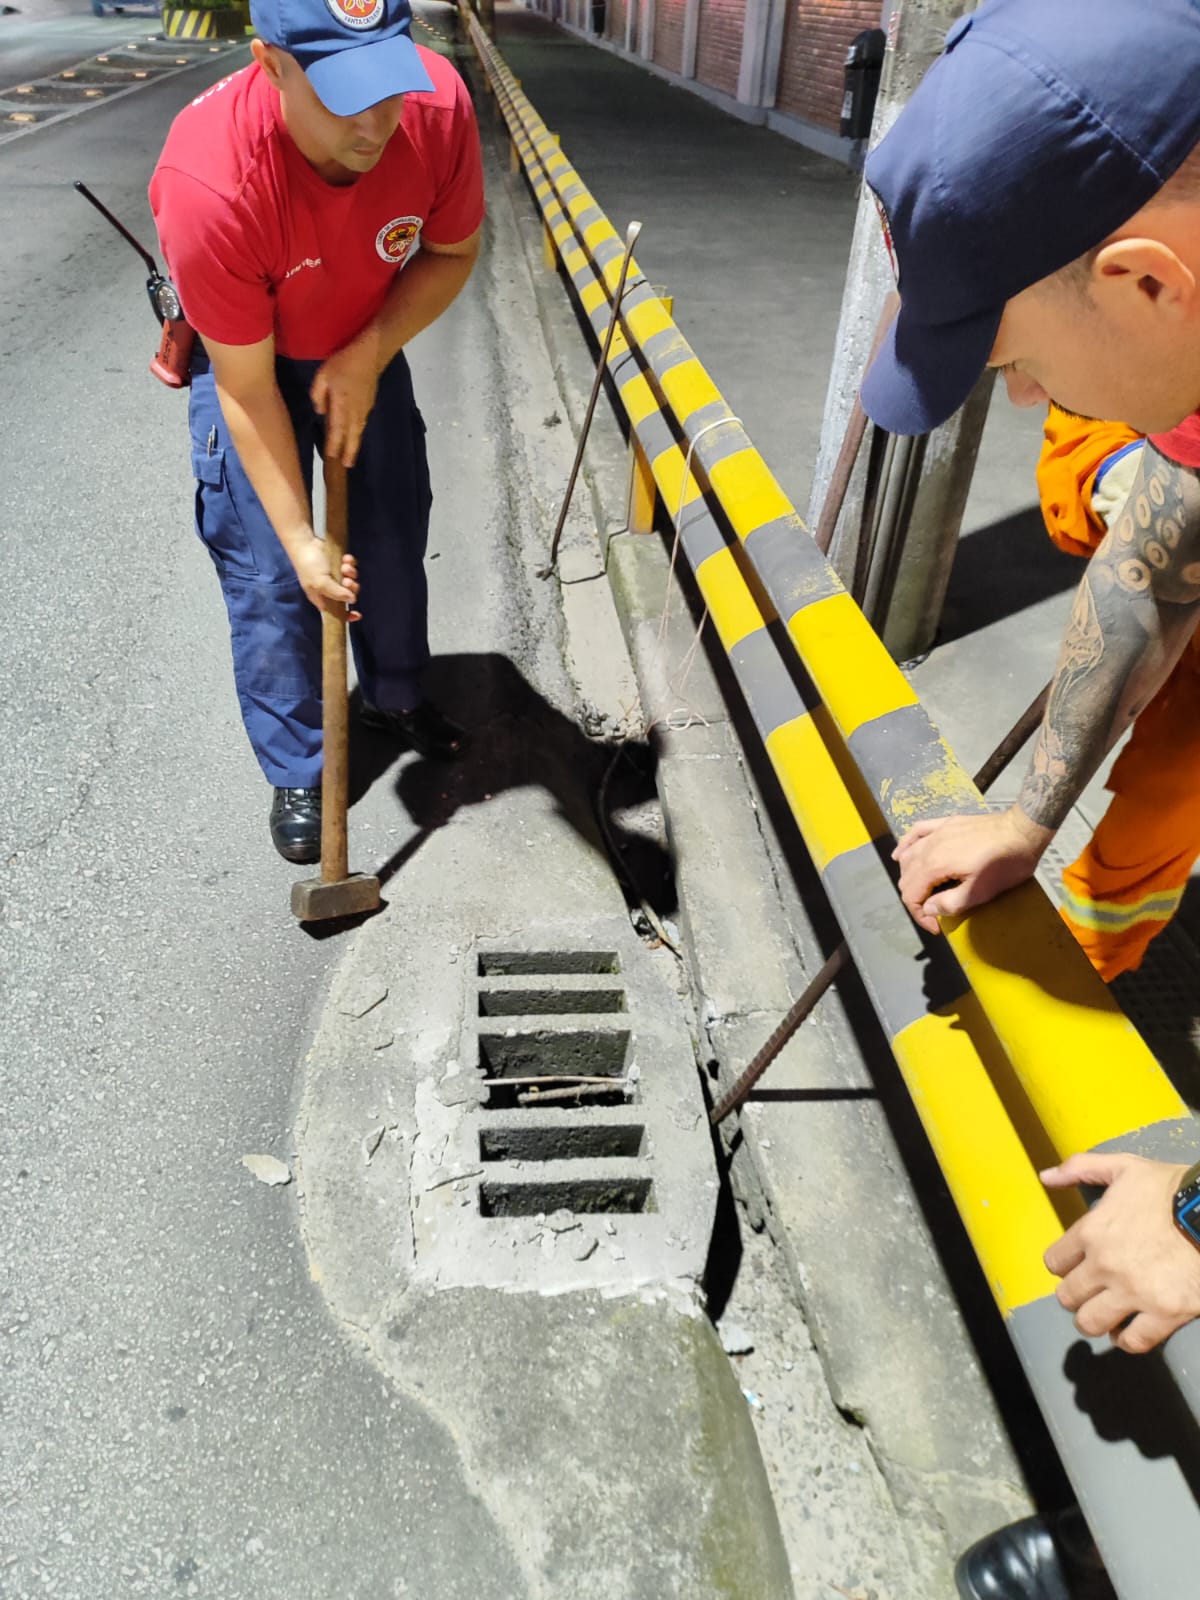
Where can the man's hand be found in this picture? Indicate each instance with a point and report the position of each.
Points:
(1126, 1259)
(950, 864)
(312, 568)
(343, 392)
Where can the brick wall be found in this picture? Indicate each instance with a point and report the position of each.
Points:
(614, 24)
(719, 43)
(668, 34)
(815, 39)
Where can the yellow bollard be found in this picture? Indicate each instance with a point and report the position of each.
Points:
(642, 493)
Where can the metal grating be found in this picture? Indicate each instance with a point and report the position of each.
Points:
(563, 1144)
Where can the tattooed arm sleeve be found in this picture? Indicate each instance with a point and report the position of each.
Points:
(1136, 608)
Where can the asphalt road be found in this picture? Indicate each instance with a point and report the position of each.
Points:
(178, 1412)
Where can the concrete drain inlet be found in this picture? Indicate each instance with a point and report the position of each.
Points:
(567, 1147)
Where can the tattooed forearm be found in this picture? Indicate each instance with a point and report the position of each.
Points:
(1136, 608)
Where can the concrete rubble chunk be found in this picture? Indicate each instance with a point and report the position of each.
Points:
(735, 1340)
(562, 1221)
(442, 1177)
(268, 1169)
(362, 995)
(459, 1089)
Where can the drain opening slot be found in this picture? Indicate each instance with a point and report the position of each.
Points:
(611, 1140)
(547, 963)
(583, 1195)
(504, 1095)
(591, 1053)
(551, 1002)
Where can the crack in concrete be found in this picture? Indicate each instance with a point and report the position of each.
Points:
(106, 754)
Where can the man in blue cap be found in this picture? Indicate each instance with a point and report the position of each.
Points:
(1041, 197)
(318, 209)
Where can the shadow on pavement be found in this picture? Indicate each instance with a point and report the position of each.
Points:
(518, 740)
(1002, 570)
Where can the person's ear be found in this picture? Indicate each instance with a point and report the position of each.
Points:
(269, 59)
(1133, 276)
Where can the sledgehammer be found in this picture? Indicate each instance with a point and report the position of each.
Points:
(337, 892)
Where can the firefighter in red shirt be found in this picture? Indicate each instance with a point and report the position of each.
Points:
(317, 210)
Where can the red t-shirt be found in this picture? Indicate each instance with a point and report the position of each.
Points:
(1181, 444)
(258, 243)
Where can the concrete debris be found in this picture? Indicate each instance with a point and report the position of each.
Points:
(372, 1141)
(634, 1072)
(361, 996)
(584, 1248)
(562, 1221)
(442, 1177)
(609, 1225)
(735, 1341)
(459, 1089)
(268, 1169)
(616, 1252)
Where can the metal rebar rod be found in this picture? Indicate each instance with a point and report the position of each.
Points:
(631, 237)
(991, 769)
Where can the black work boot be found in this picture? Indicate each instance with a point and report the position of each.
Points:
(1038, 1558)
(425, 729)
(296, 824)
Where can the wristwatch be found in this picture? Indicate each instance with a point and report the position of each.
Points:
(1186, 1205)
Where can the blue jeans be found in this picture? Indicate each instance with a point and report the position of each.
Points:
(275, 630)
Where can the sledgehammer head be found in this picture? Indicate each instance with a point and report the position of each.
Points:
(314, 900)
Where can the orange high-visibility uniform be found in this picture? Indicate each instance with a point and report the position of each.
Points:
(1128, 882)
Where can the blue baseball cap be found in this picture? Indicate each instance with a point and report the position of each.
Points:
(1043, 127)
(354, 52)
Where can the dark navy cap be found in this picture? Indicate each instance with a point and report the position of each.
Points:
(1043, 127)
(355, 52)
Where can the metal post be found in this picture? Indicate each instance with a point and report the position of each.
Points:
(916, 29)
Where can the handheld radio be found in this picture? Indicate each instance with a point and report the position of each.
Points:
(171, 363)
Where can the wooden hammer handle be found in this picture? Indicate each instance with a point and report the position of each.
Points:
(335, 777)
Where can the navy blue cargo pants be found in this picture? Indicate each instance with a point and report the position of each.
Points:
(275, 629)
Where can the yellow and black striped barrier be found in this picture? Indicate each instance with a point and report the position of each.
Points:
(1012, 1049)
(181, 22)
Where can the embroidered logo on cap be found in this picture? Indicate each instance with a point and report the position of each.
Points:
(887, 236)
(357, 14)
(394, 241)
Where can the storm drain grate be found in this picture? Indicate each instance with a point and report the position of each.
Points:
(566, 1145)
(544, 1061)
